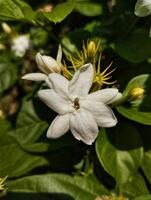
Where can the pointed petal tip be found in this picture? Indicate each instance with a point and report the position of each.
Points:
(34, 77)
(88, 65)
(112, 124)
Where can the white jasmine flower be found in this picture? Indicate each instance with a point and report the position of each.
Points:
(143, 8)
(77, 110)
(47, 65)
(20, 44)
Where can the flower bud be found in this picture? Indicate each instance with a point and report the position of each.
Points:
(6, 28)
(91, 48)
(2, 46)
(137, 93)
(47, 64)
(2, 115)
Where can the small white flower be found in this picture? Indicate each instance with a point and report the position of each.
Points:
(47, 65)
(78, 111)
(143, 8)
(20, 44)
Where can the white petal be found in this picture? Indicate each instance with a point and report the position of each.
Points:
(54, 101)
(41, 65)
(51, 64)
(35, 77)
(47, 64)
(143, 8)
(103, 115)
(59, 84)
(59, 126)
(83, 126)
(104, 95)
(82, 80)
(59, 54)
(116, 98)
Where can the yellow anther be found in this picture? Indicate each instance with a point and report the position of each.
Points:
(104, 76)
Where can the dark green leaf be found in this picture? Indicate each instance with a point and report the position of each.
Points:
(135, 47)
(8, 74)
(135, 115)
(14, 161)
(146, 165)
(29, 129)
(119, 151)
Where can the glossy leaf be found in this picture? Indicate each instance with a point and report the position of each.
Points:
(146, 165)
(60, 12)
(76, 187)
(119, 151)
(139, 109)
(14, 161)
(145, 197)
(89, 9)
(135, 186)
(16, 10)
(29, 129)
(135, 115)
(134, 47)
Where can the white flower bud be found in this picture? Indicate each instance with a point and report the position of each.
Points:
(47, 64)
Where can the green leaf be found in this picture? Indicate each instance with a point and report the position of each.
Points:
(16, 10)
(143, 8)
(76, 187)
(60, 12)
(135, 47)
(146, 165)
(73, 41)
(144, 197)
(29, 129)
(135, 115)
(89, 9)
(8, 73)
(135, 186)
(14, 160)
(138, 110)
(119, 151)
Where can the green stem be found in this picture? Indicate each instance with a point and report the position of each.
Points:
(120, 101)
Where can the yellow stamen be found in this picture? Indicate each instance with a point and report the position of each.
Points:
(88, 54)
(2, 180)
(103, 77)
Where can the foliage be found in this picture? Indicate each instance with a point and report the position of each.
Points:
(118, 164)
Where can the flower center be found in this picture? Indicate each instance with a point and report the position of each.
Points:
(76, 104)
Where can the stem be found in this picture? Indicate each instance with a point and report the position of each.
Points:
(120, 101)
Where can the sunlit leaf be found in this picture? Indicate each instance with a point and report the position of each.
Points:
(60, 11)
(14, 161)
(119, 151)
(16, 10)
(76, 187)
